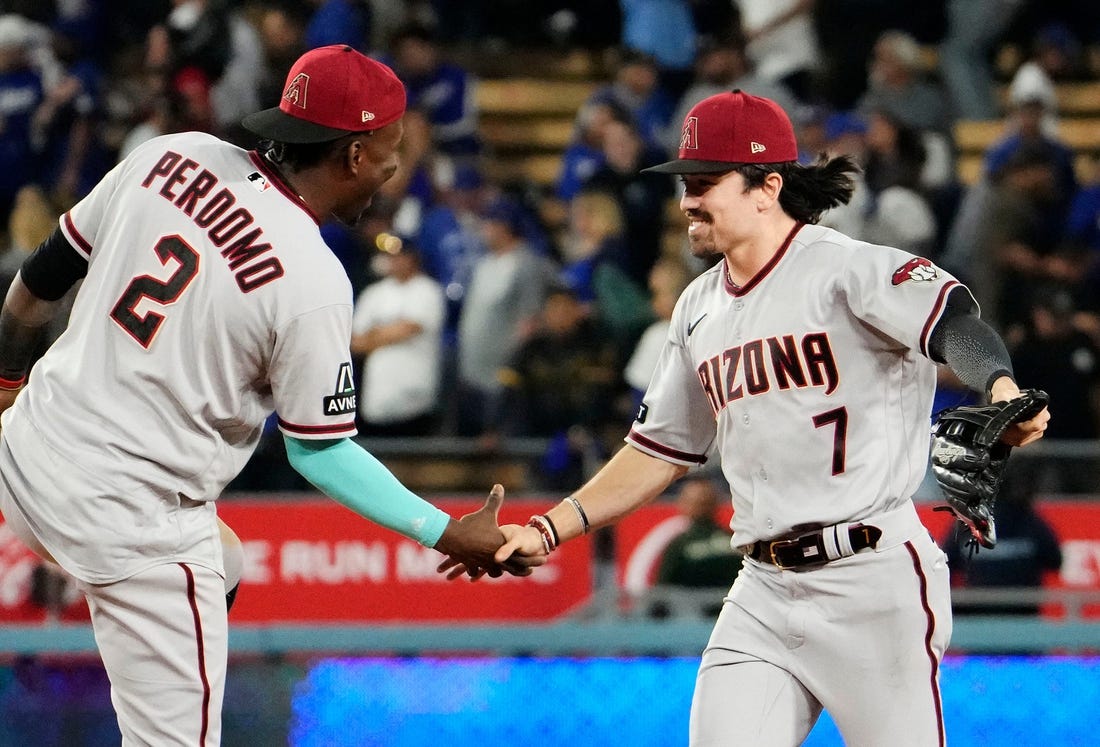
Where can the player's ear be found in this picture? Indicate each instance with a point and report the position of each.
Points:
(355, 154)
(769, 190)
(351, 155)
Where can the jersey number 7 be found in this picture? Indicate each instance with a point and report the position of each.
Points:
(143, 328)
(839, 418)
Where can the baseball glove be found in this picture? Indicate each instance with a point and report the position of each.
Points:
(969, 458)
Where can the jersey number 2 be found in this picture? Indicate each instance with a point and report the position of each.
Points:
(838, 418)
(162, 292)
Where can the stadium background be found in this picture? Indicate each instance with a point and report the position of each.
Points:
(344, 637)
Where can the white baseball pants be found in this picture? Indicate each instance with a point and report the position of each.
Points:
(163, 637)
(862, 637)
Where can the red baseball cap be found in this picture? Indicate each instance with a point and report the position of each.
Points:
(330, 92)
(728, 129)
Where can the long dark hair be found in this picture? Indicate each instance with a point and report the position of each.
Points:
(808, 190)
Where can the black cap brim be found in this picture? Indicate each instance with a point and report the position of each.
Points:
(691, 166)
(275, 124)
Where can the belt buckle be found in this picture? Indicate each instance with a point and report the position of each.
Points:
(784, 544)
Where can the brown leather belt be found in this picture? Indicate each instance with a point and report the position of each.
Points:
(795, 551)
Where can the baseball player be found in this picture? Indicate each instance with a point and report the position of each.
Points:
(807, 359)
(208, 301)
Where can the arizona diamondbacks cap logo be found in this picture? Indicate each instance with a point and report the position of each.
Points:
(689, 136)
(342, 400)
(296, 90)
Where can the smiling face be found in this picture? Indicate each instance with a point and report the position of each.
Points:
(721, 213)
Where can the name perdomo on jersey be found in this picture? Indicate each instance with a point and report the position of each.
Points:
(224, 225)
(751, 368)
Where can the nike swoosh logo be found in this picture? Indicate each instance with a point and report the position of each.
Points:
(693, 325)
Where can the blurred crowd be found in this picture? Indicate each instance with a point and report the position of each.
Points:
(490, 310)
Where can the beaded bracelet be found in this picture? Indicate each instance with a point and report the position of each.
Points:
(580, 513)
(553, 529)
(539, 523)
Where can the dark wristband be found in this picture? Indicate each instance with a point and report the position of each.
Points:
(996, 375)
(18, 344)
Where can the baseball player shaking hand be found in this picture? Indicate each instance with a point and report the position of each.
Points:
(809, 358)
(209, 300)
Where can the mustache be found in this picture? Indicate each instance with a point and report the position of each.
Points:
(697, 215)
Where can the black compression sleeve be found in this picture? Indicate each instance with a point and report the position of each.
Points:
(969, 346)
(53, 268)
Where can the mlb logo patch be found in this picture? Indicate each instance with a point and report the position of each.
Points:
(259, 181)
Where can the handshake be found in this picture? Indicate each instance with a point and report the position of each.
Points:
(476, 546)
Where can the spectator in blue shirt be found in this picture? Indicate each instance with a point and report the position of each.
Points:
(450, 240)
(584, 155)
(339, 22)
(21, 94)
(636, 88)
(1083, 235)
(666, 30)
(443, 90)
(1025, 131)
(1083, 224)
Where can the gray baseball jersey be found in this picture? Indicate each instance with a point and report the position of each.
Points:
(813, 377)
(210, 300)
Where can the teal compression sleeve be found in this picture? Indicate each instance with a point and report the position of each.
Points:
(352, 477)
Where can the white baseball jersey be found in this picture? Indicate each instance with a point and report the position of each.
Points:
(813, 377)
(210, 300)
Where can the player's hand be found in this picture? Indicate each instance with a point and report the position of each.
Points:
(1026, 431)
(515, 566)
(473, 539)
(519, 562)
(470, 544)
(520, 542)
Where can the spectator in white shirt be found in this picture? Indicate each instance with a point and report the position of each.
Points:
(398, 328)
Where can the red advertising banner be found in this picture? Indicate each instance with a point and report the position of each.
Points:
(19, 571)
(642, 537)
(314, 561)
